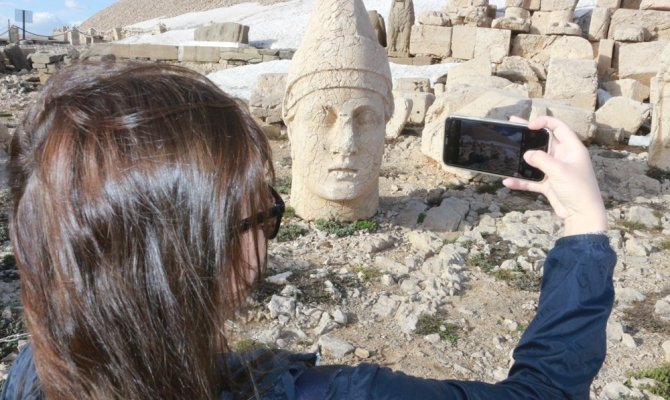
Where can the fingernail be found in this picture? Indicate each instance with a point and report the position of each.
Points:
(527, 155)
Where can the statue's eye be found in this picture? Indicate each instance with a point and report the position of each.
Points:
(367, 117)
(325, 116)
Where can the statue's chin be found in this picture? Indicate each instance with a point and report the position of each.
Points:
(341, 191)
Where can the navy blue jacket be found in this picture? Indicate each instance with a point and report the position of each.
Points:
(557, 357)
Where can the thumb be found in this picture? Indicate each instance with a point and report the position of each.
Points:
(542, 161)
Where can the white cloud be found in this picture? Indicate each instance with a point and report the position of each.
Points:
(72, 5)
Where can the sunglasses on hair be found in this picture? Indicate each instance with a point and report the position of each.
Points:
(270, 219)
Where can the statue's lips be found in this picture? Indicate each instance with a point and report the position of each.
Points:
(343, 173)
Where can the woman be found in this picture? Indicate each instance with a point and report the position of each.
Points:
(140, 221)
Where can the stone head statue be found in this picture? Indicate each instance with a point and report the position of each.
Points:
(337, 102)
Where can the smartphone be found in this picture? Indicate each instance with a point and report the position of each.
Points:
(493, 147)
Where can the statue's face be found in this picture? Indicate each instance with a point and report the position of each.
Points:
(337, 142)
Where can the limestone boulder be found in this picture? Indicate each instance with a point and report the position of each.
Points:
(266, 99)
(412, 85)
(660, 5)
(479, 67)
(491, 43)
(604, 58)
(622, 112)
(639, 61)
(463, 40)
(223, 32)
(514, 24)
(557, 5)
(630, 32)
(525, 4)
(519, 69)
(659, 148)
(436, 18)
(543, 22)
(492, 82)
(430, 40)
(378, 25)
(627, 87)
(573, 80)
(517, 12)
(581, 120)
(564, 28)
(654, 22)
(401, 112)
(611, 4)
(420, 102)
(17, 57)
(541, 48)
(600, 23)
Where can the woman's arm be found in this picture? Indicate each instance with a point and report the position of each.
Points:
(564, 346)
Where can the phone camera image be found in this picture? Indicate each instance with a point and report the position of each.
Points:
(493, 147)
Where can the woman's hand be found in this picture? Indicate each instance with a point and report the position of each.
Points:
(570, 184)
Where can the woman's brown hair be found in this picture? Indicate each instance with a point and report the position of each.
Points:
(129, 183)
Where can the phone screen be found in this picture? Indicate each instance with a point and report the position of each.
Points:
(494, 147)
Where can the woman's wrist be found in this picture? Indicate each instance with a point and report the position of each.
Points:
(594, 223)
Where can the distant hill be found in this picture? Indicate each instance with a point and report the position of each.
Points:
(128, 12)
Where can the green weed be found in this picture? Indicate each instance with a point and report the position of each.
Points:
(429, 324)
(343, 229)
(662, 376)
(288, 232)
(367, 273)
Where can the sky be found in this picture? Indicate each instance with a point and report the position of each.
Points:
(50, 14)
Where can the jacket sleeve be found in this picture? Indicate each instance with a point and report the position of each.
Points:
(558, 356)
(22, 382)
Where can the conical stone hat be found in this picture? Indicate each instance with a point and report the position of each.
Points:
(339, 50)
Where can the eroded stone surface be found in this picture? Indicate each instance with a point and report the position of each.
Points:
(337, 102)
(401, 19)
(659, 148)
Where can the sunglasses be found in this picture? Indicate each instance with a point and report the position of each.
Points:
(272, 218)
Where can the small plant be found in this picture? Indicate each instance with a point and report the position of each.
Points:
(631, 226)
(8, 262)
(421, 218)
(341, 230)
(430, 324)
(664, 245)
(283, 185)
(478, 260)
(288, 232)
(289, 212)
(365, 225)
(367, 273)
(248, 345)
(662, 376)
(449, 333)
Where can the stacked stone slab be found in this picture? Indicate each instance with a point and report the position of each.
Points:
(223, 55)
(223, 32)
(266, 100)
(48, 62)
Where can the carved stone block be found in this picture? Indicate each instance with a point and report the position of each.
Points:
(575, 81)
(431, 40)
(463, 39)
(492, 43)
(600, 22)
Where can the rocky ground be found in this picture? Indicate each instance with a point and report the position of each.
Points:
(401, 291)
